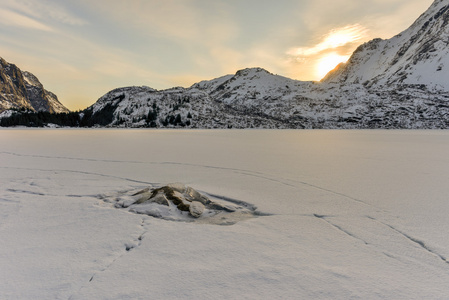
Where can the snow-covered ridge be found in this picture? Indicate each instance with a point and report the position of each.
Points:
(176, 107)
(256, 98)
(418, 55)
(396, 83)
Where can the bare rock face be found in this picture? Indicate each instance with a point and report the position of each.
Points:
(13, 92)
(40, 98)
(184, 198)
(22, 90)
(147, 196)
(177, 202)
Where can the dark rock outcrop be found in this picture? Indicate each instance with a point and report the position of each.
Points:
(22, 90)
(183, 197)
(13, 92)
(177, 202)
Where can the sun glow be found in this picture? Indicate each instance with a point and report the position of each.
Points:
(328, 63)
(332, 48)
(336, 38)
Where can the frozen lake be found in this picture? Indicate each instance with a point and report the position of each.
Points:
(346, 215)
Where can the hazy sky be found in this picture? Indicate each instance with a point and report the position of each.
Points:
(81, 49)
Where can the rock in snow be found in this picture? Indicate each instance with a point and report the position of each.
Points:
(196, 209)
(178, 202)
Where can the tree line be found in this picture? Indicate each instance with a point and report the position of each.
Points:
(41, 118)
(85, 118)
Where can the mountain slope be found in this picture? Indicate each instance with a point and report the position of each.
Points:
(418, 55)
(22, 90)
(397, 83)
(13, 92)
(252, 97)
(40, 98)
(256, 91)
(257, 98)
(176, 107)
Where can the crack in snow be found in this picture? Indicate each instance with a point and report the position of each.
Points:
(244, 172)
(77, 172)
(324, 218)
(26, 192)
(416, 241)
(419, 243)
(336, 193)
(9, 201)
(128, 247)
(65, 157)
(135, 243)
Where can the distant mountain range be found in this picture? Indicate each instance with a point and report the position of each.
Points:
(402, 82)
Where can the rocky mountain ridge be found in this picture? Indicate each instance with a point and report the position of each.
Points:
(401, 82)
(419, 55)
(22, 90)
(396, 83)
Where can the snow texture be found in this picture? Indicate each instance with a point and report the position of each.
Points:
(347, 215)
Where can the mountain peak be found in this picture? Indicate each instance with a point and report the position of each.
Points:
(418, 55)
(252, 72)
(21, 89)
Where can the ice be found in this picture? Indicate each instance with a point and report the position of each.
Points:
(343, 214)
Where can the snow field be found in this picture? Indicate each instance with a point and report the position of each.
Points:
(350, 215)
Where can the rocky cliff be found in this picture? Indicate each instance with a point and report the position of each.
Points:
(22, 90)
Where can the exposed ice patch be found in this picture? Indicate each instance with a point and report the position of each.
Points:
(177, 202)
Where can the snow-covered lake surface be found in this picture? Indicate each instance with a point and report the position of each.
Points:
(346, 215)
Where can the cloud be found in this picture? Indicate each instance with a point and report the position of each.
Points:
(334, 47)
(44, 11)
(11, 18)
(169, 18)
(198, 35)
(336, 38)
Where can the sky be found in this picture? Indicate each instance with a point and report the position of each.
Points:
(82, 49)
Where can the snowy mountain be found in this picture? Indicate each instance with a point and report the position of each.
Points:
(176, 107)
(396, 83)
(21, 89)
(255, 91)
(40, 98)
(418, 55)
(255, 98)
